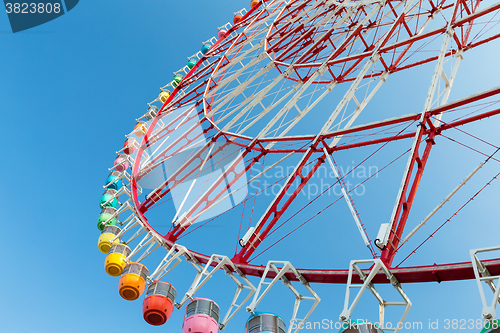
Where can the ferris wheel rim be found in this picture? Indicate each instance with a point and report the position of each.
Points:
(455, 271)
(430, 272)
(350, 57)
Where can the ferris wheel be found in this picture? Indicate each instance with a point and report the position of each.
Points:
(254, 132)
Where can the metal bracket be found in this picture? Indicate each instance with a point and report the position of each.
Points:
(221, 262)
(174, 257)
(149, 239)
(284, 268)
(348, 199)
(483, 275)
(367, 284)
(129, 223)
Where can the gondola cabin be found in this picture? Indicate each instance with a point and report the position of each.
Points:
(254, 3)
(221, 34)
(106, 217)
(107, 235)
(163, 96)
(121, 163)
(153, 110)
(205, 48)
(140, 129)
(176, 80)
(129, 146)
(202, 316)
(236, 18)
(159, 303)
(108, 199)
(113, 181)
(116, 259)
(261, 322)
(133, 281)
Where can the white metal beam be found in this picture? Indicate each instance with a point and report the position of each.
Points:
(377, 265)
(347, 199)
(280, 268)
(483, 275)
(202, 277)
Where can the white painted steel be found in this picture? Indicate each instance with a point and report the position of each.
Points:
(280, 268)
(377, 266)
(482, 274)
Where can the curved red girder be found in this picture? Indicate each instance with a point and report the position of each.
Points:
(415, 274)
(199, 89)
(411, 274)
(245, 141)
(348, 59)
(275, 213)
(268, 221)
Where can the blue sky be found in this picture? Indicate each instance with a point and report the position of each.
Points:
(69, 92)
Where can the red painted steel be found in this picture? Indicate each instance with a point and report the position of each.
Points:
(408, 193)
(461, 22)
(462, 19)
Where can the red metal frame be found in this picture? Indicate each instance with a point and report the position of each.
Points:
(409, 190)
(392, 53)
(412, 274)
(405, 202)
(275, 211)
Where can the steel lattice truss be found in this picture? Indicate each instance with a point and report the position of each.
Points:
(256, 87)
